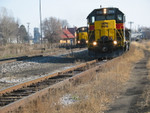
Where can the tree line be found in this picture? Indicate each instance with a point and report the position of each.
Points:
(12, 32)
(52, 29)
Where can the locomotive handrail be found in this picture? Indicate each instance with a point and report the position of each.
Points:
(90, 35)
(120, 36)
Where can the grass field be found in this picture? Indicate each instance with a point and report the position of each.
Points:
(15, 50)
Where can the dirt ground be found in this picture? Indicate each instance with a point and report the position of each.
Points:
(133, 97)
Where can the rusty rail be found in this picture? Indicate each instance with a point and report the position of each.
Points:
(16, 93)
(25, 84)
(24, 101)
(8, 60)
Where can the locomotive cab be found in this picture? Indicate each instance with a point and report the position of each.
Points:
(106, 31)
(82, 36)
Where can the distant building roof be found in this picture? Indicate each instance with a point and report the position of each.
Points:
(67, 34)
(72, 30)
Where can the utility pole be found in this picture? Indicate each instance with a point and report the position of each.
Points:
(28, 31)
(131, 25)
(40, 20)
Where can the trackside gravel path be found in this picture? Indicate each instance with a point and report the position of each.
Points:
(131, 96)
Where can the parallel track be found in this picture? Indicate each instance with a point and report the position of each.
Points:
(7, 60)
(20, 91)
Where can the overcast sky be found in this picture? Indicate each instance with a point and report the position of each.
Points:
(76, 11)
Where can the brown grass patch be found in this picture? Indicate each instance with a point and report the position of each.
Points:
(146, 94)
(15, 50)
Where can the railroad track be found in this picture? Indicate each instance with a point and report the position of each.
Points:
(7, 60)
(17, 92)
(13, 59)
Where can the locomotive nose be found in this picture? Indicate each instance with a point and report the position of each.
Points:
(104, 39)
(104, 49)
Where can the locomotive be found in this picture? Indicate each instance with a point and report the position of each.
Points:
(82, 36)
(107, 35)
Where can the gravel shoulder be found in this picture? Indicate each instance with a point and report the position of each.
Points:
(25, 70)
(131, 99)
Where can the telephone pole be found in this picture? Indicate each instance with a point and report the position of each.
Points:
(131, 25)
(28, 31)
(40, 20)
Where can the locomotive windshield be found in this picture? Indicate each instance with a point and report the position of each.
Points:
(82, 29)
(106, 14)
(101, 17)
(105, 17)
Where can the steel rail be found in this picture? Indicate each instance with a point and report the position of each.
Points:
(14, 59)
(18, 92)
(25, 84)
(26, 100)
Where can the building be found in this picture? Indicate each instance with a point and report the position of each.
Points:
(73, 31)
(36, 35)
(68, 36)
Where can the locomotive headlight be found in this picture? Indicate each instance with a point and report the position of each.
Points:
(105, 11)
(94, 43)
(86, 41)
(115, 42)
(78, 42)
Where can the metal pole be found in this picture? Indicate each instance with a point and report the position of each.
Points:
(40, 20)
(131, 25)
(28, 32)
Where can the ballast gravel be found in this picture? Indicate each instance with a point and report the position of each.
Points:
(29, 69)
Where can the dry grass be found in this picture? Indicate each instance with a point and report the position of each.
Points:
(14, 50)
(144, 100)
(146, 94)
(92, 93)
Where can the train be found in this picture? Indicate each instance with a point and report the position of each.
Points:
(82, 36)
(107, 35)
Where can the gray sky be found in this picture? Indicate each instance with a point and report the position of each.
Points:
(76, 11)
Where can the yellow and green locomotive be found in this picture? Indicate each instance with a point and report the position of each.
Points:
(82, 36)
(107, 36)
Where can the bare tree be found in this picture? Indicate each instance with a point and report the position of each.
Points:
(64, 23)
(22, 35)
(8, 27)
(52, 29)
